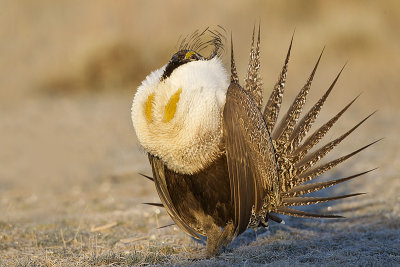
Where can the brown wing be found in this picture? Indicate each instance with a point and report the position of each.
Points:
(250, 156)
(158, 168)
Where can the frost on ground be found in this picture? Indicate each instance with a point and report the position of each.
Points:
(71, 220)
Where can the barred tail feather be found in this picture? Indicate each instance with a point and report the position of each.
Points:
(311, 141)
(311, 174)
(302, 201)
(271, 110)
(284, 129)
(297, 213)
(306, 122)
(253, 83)
(308, 161)
(234, 75)
(312, 187)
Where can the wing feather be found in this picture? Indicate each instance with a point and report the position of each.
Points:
(250, 156)
(158, 168)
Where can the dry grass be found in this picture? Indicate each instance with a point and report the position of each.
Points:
(69, 190)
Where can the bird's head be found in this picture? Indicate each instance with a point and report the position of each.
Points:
(177, 109)
(178, 59)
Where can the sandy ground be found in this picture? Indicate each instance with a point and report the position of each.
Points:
(70, 193)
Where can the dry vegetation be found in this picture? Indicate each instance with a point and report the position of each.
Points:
(70, 192)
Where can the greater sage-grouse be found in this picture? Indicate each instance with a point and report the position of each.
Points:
(221, 162)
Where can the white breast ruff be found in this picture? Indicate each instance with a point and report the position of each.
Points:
(191, 140)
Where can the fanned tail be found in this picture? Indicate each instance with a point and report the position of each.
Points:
(292, 153)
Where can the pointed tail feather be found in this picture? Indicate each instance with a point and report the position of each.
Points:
(234, 75)
(275, 218)
(283, 131)
(164, 226)
(311, 174)
(308, 161)
(311, 141)
(271, 110)
(306, 122)
(298, 213)
(253, 83)
(154, 204)
(302, 201)
(312, 187)
(148, 177)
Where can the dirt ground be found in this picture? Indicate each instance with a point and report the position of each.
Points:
(70, 192)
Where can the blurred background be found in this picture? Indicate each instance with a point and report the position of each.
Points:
(69, 71)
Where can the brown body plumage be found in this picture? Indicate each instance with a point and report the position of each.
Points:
(264, 164)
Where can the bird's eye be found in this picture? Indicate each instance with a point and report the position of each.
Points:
(190, 55)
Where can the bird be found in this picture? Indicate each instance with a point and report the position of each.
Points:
(221, 161)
